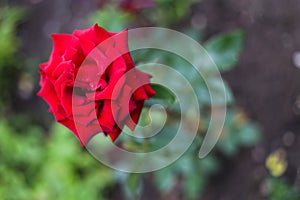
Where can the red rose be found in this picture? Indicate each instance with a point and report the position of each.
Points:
(86, 91)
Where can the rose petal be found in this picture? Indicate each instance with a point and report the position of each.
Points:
(115, 133)
(95, 34)
(135, 115)
(106, 117)
(48, 93)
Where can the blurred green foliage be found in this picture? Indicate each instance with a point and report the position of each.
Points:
(103, 17)
(196, 172)
(238, 131)
(9, 43)
(169, 12)
(162, 97)
(35, 167)
(224, 49)
(278, 189)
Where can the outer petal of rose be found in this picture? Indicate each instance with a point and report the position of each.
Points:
(59, 113)
(144, 78)
(136, 79)
(48, 93)
(115, 133)
(149, 90)
(61, 91)
(69, 53)
(83, 133)
(73, 54)
(43, 65)
(135, 115)
(60, 43)
(87, 46)
(65, 77)
(85, 120)
(106, 116)
(64, 92)
(66, 100)
(140, 94)
(100, 59)
(95, 34)
(69, 124)
(43, 78)
(129, 61)
(121, 44)
(63, 66)
(125, 103)
(121, 41)
(88, 113)
(118, 65)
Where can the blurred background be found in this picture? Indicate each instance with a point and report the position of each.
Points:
(256, 46)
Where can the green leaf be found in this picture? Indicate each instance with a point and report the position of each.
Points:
(224, 49)
(165, 178)
(104, 18)
(133, 183)
(163, 96)
(169, 12)
(193, 33)
(278, 189)
(249, 135)
(9, 43)
(229, 144)
(218, 88)
(10, 63)
(194, 185)
(238, 131)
